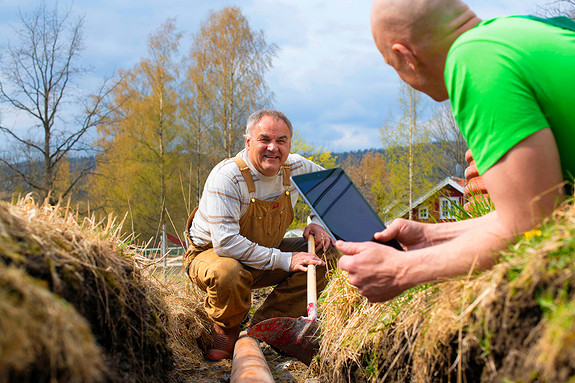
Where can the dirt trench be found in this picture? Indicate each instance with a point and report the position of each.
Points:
(284, 368)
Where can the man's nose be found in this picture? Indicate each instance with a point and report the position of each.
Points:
(272, 146)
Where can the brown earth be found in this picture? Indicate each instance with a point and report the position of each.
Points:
(79, 305)
(284, 369)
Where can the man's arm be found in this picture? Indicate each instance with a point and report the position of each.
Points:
(221, 203)
(524, 185)
(415, 235)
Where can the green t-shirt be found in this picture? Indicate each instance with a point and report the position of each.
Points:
(508, 78)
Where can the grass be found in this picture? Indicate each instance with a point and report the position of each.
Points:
(86, 305)
(515, 322)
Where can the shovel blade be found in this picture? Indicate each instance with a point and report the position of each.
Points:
(297, 337)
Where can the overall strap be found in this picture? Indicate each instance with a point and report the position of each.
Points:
(286, 171)
(247, 174)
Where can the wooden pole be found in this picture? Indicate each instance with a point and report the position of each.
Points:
(164, 249)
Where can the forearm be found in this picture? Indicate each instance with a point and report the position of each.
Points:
(473, 250)
(443, 232)
(250, 253)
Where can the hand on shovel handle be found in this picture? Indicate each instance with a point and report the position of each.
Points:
(311, 283)
(295, 336)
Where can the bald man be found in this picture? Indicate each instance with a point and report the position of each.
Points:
(510, 81)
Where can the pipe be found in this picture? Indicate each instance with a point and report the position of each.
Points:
(249, 364)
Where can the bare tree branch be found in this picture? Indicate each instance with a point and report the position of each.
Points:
(39, 76)
(23, 175)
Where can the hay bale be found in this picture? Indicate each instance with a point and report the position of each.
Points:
(187, 323)
(86, 264)
(515, 322)
(42, 338)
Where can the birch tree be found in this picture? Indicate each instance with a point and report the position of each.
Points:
(225, 83)
(559, 8)
(449, 159)
(139, 172)
(46, 118)
(312, 153)
(408, 153)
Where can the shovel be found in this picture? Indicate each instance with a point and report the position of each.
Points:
(294, 336)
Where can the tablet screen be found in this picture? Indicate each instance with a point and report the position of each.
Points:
(339, 204)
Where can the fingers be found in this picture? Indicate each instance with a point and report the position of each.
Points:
(317, 262)
(306, 231)
(345, 262)
(388, 233)
(323, 242)
(349, 248)
(300, 260)
(322, 239)
(301, 268)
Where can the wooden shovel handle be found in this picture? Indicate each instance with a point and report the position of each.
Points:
(311, 281)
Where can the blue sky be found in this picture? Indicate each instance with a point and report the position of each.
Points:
(328, 76)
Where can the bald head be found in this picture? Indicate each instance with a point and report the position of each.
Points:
(414, 37)
(419, 22)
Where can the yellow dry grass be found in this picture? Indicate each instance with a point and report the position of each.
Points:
(187, 323)
(514, 322)
(41, 334)
(79, 303)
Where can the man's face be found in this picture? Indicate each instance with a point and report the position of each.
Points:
(269, 145)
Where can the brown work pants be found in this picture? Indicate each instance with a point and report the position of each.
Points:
(228, 285)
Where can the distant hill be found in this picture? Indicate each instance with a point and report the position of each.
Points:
(342, 156)
(451, 166)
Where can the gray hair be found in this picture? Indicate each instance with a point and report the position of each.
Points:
(257, 116)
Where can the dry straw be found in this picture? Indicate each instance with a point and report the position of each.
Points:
(515, 322)
(122, 324)
(41, 336)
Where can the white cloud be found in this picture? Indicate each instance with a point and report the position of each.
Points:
(328, 77)
(352, 137)
(490, 9)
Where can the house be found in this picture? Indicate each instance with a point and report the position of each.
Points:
(438, 203)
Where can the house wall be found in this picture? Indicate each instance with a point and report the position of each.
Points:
(432, 204)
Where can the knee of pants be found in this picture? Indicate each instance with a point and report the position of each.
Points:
(229, 274)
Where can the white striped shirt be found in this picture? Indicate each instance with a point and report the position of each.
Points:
(225, 200)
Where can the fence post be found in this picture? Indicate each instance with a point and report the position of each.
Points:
(164, 249)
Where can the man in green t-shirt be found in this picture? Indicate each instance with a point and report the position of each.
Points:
(510, 82)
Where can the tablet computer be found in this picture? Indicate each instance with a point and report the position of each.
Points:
(340, 206)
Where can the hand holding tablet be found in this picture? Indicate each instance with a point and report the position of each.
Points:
(340, 206)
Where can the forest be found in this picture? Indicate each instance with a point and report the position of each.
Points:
(141, 144)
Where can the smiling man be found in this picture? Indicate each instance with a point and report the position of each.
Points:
(237, 234)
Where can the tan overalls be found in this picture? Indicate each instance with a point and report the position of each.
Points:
(228, 283)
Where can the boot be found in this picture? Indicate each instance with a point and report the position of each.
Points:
(223, 341)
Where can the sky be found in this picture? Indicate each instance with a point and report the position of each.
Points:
(328, 77)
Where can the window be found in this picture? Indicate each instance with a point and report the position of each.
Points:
(423, 212)
(446, 206)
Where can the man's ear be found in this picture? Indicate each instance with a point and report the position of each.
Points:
(407, 55)
(247, 142)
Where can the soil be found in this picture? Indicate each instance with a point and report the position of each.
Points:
(284, 368)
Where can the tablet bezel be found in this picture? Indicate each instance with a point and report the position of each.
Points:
(319, 175)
